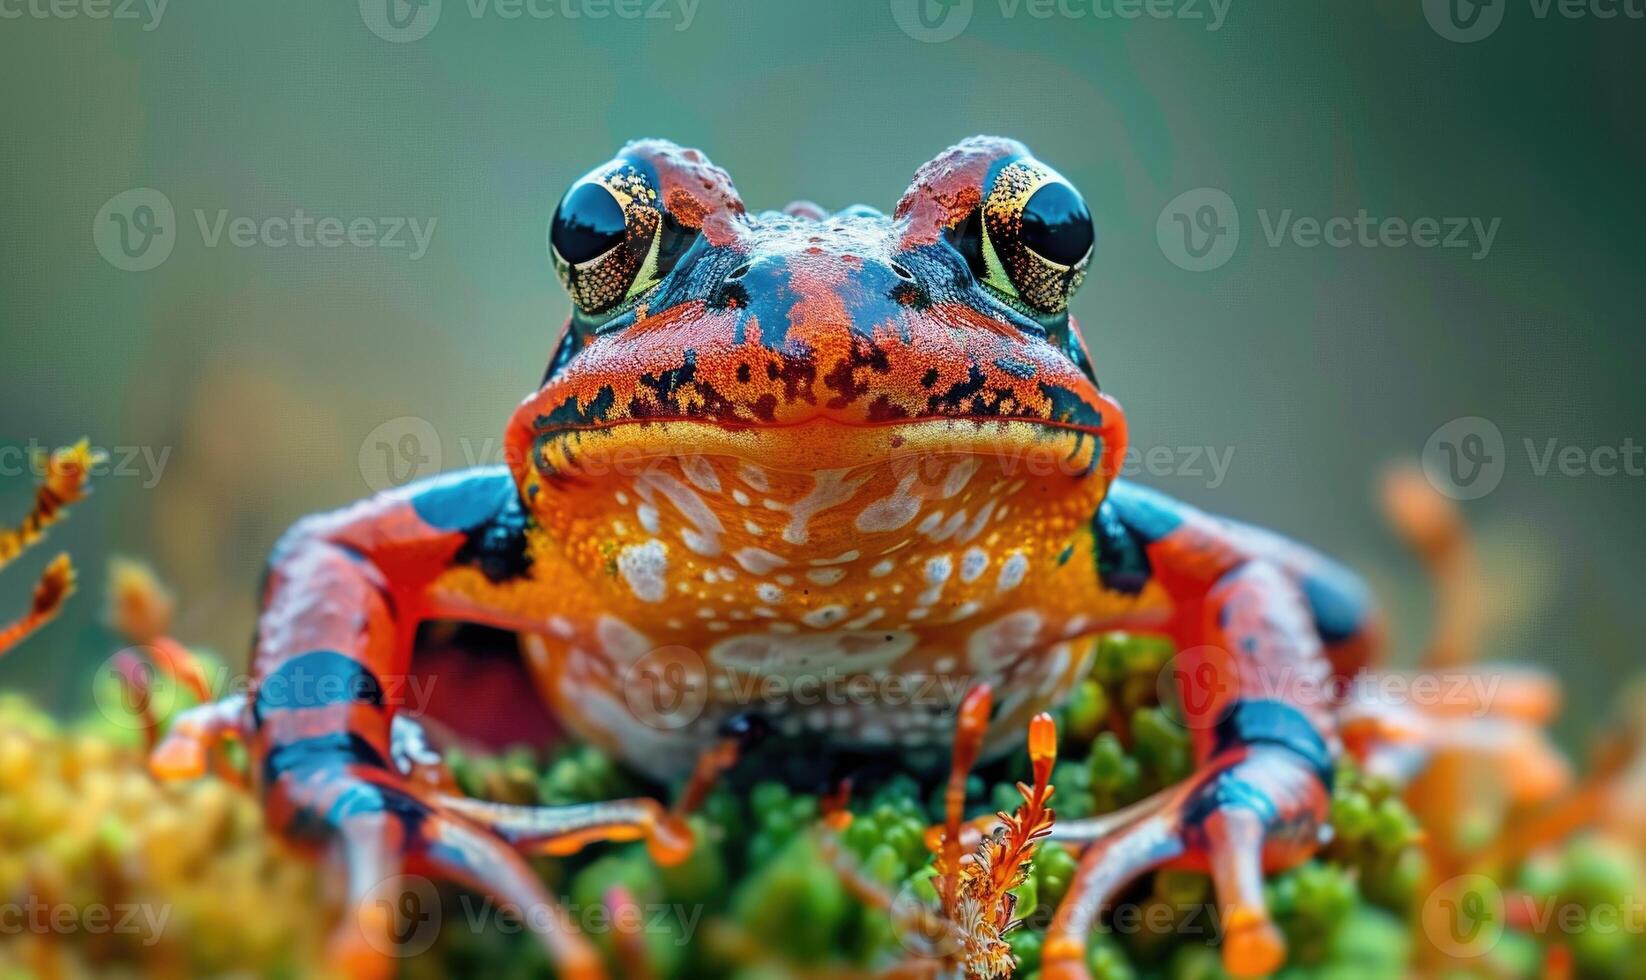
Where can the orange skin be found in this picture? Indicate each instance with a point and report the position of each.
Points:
(813, 447)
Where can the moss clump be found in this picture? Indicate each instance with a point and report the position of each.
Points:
(109, 873)
(772, 903)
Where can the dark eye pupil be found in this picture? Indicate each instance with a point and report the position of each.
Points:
(587, 224)
(1057, 225)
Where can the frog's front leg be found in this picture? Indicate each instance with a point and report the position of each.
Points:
(344, 596)
(1261, 625)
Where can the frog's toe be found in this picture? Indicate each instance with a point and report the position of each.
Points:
(186, 751)
(1250, 809)
(396, 841)
(1119, 851)
(564, 830)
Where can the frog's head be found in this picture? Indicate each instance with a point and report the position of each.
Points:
(797, 385)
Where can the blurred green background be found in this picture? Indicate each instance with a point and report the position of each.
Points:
(259, 383)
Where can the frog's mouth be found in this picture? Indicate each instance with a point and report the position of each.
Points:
(1032, 448)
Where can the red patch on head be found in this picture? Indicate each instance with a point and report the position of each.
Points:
(950, 187)
(698, 193)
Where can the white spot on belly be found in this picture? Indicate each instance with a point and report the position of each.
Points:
(937, 575)
(703, 536)
(831, 489)
(959, 475)
(845, 557)
(1055, 666)
(754, 476)
(622, 643)
(753, 528)
(768, 592)
(701, 473)
(826, 576)
(995, 646)
(758, 561)
(645, 567)
(891, 512)
(976, 527)
(1012, 571)
(648, 518)
(824, 616)
(881, 568)
(937, 529)
(865, 619)
(847, 651)
(972, 564)
(741, 498)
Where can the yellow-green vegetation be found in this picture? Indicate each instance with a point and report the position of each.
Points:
(83, 826)
(105, 872)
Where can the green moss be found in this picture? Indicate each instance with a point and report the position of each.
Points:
(762, 879)
(760, 896)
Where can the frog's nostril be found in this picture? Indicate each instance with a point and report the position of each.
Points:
(738, 273)
(902, 272)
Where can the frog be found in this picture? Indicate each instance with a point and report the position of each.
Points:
(782, 446)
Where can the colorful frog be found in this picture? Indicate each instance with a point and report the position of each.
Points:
(787, 445)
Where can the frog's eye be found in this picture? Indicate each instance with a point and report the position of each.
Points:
(608, 235)
(587, 224)
(1033, 236)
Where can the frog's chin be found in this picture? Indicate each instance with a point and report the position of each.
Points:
(1027, 448)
